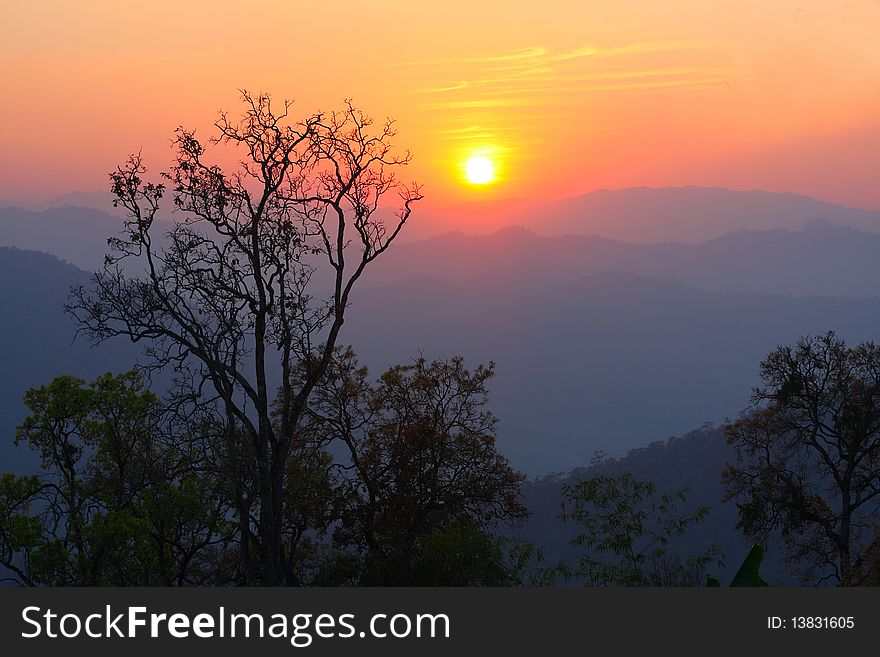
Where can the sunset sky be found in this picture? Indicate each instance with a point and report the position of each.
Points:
(562, 97)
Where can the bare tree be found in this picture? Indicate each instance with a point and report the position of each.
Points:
(247, 292)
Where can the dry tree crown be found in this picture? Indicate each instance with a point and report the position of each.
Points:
(246, 292)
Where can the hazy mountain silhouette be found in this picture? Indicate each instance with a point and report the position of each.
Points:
(693, 462)
(100, 200)
(819, 259)
(611, 361)
(686, 214)
(607, 362)
(75, 234)
(641, 215)
(600, 344)
(36, 338)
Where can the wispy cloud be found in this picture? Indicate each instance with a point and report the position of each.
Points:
(537, 70)
(495, 95)
(540, 80)
(542, 54)
(637, 48)
(438, 90)
(486, 103)
(525, 53)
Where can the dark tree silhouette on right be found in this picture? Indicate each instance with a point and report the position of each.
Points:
(808, 457)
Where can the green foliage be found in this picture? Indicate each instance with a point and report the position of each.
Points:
(127, 495)
(311, 500)
(527, 565)
(627, 530)
(134, 492)
(460, 553)
(20, 531)
(121, 499)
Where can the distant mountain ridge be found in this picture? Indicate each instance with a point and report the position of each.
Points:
(687, 214)
(645, 215)
(604, 362)
(600, 344)
(98, 200)
(692, 462)
(817, 260)
(75, 234)
(609, 361)
(37, 339)
(591, 366)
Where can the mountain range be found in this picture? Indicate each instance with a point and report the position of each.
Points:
(605, 362)
(37, 339)
(77, 225)
(691, 463)
(646, 215)
(817, 260)
(600, 344)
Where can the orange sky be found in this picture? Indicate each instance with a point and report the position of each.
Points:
(564, 96)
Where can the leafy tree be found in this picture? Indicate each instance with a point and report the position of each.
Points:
(808, 456)
(311, 509)
(627, 529)
(132, 492)
(247, 291)
(121, 499)
(20, 531)
(870, 570)
(421, 484)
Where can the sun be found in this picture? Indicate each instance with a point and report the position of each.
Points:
(479, 170)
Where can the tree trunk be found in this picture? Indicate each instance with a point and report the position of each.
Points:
(268, 524)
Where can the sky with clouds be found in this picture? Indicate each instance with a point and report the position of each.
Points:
(564, 97)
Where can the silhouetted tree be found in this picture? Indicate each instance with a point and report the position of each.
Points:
(422, 485)
(626, 532)
(123, 498)
(232, 298)
(809, 456)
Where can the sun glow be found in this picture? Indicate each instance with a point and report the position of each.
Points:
(479, 170)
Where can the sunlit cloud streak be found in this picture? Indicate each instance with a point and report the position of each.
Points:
(535, 78)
